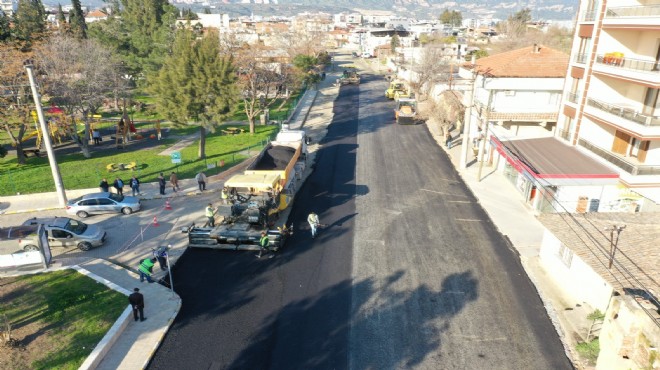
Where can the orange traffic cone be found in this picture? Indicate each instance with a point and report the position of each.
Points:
(168, 206)
(155, 223)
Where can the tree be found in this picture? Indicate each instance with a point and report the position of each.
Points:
(5, 28)
(395, 42)
(78, 75)
(262, 82)
(77, 25)
(196, 83)
(61, 18)
(522, 16)
(453, 18)
(429, 69)
(15, 100)
(29, 22)
(446, 110)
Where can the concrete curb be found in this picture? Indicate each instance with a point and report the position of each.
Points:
(102, 348)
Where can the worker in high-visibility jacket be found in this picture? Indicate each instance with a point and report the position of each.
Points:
(264, 245)
(146, 269)
(210, 215)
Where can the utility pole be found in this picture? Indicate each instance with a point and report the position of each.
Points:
(614, 243)
(482, 145)
(57, 178)
(467, 121)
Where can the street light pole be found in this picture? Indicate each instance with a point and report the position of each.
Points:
(57, 178)
(614, 243)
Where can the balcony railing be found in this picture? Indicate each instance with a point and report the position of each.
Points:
(633, 11)
(629, 63)
(625, 113)
(589, 15)
(565, 134)
(617, 160)
(573, 97)
(580, 58)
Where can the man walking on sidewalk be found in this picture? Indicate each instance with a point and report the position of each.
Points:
(201, 180)
(136, 299)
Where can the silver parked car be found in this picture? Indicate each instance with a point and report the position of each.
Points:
(67, 232)
(102, 203)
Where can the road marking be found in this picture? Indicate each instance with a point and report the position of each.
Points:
(475, 338)
(439, 192)
(467, 220)
(458, 201)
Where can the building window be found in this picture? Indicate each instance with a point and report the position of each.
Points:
(565, 255)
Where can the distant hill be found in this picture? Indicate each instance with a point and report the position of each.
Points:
(421, 9)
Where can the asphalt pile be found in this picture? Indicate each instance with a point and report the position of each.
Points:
(275, 158)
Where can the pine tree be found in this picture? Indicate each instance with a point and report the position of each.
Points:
(61, 18)
(5, 30)
(196, 83)
(29, 21)
(77, 25)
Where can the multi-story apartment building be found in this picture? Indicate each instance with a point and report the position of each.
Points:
(8, 6)
(610, 106)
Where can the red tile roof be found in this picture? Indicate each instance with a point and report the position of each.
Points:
(547, 63)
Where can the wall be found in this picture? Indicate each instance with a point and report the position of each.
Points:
(596, 134)
(592, 289)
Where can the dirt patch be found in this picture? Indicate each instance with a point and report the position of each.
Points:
(30, 339)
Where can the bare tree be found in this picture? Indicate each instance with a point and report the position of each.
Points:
(79, 75)
(302, 42)
(429, 70)
(14, 97)
(262, 81)
(446, 111)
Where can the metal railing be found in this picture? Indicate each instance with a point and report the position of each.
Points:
(565, 134)
(573, 97)
(580, 58)
(615, 159)
(633, 11)
(625, 113)
(589, 15)
(629, 63)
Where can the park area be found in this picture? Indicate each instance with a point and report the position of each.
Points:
(144, 155)
(57, 319)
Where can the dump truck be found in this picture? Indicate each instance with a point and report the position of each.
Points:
(349, 77)
(395, 87)
(406, 111)
(257, 197)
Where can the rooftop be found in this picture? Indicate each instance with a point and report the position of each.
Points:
(525, 62)
(636, 259)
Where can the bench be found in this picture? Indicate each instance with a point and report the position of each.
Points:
(111, 167)
(34, 152)
(131, 166)
(232, 131)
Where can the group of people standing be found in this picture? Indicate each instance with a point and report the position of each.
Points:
(134, 183)
(118, 184)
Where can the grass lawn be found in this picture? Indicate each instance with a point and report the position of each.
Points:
(79, 172)
(57, 318)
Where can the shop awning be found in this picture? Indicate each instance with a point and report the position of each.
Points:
(552, 162)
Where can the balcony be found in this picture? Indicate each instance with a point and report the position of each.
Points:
(589, 16)
(626, 113)
(565, 134)
(629, 63)
(633, 11)
(573, 97)
(580, 58)
(625, 164)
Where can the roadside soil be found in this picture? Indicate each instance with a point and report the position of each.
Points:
(30, 340)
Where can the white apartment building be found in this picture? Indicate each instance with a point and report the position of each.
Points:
(8, 6)
(610, 107)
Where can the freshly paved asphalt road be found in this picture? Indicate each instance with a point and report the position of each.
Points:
(289, 312)
(409, 273)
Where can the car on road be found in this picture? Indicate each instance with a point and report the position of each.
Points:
(102, 203)
(67, 232)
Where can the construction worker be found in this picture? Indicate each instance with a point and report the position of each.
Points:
(146, 269)
(313, 220)
(264, 245)
(210, 215)
(224, 195)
